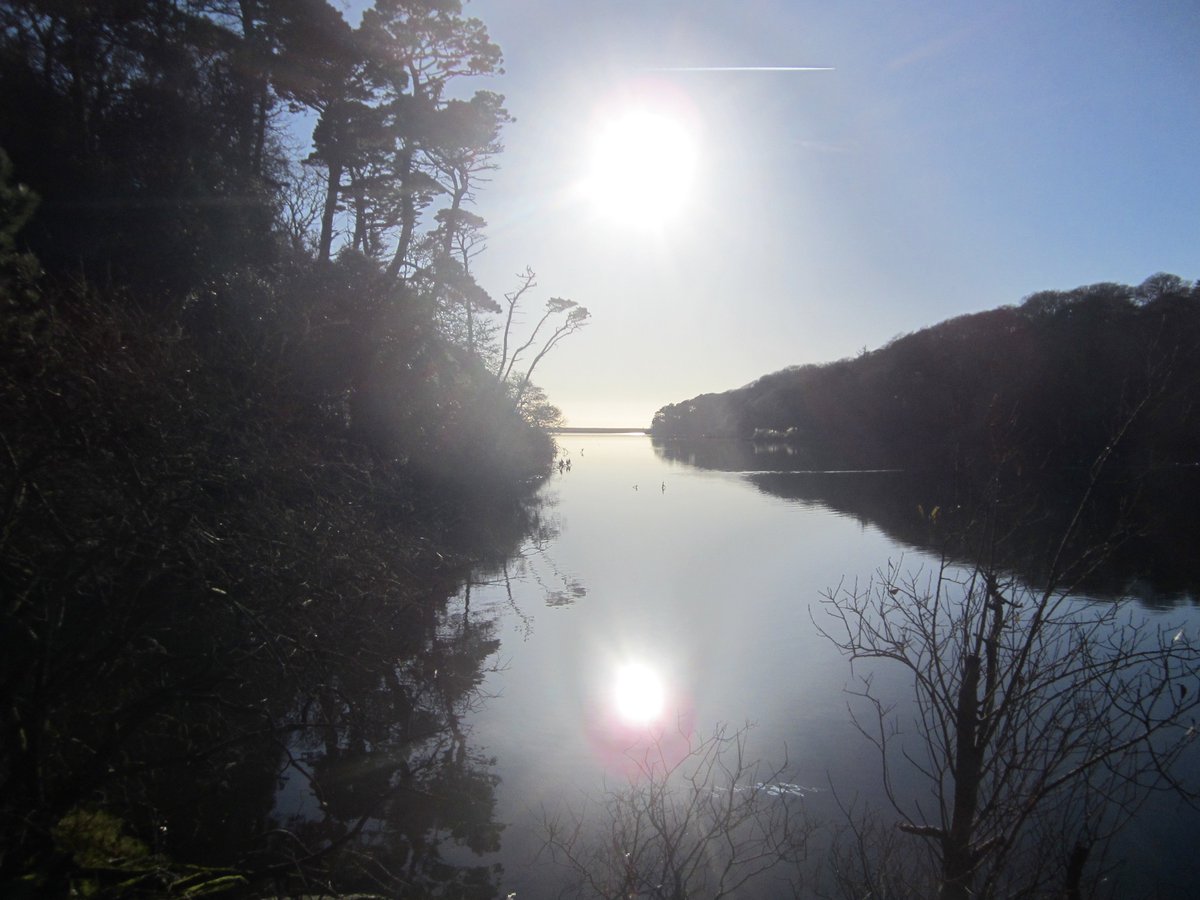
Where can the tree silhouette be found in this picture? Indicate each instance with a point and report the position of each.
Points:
(1042, 721)
(561, 318)
(708, 822)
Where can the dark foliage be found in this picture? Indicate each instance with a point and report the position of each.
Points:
(133, 122)
(1028, 388)
(237, 483)
(205, 559)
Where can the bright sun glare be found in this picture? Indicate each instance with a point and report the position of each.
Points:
(642, 167)
(638, 693)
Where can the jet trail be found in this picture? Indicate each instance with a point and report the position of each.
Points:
(742, 69)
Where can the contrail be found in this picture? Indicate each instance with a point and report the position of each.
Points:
(741, 69)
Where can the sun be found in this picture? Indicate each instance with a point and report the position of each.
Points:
(642, 167)
(638, 694)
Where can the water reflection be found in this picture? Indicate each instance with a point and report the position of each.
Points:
(1133, 539)
(381, 767)
(352, 771)
(712, 583)
(312, 741)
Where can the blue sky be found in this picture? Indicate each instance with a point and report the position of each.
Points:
(958, 157)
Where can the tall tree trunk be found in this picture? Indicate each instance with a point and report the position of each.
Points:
(262, 118)
(358, 191)
(331, 198)
(408, 211)
(958, 856)
(252, 131)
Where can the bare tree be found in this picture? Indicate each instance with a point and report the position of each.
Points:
(300, 205)
(527, 281)
(1042, 721)
(868, 856)
(565, 317)
(706, 823)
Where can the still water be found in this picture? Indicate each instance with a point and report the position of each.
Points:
(710, 577)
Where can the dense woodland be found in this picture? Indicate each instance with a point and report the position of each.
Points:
(257, 422)
(1033, 388)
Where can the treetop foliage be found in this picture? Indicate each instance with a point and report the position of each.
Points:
(156, 134)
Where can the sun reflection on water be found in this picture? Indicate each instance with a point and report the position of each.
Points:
(638, 694)
(642, 722)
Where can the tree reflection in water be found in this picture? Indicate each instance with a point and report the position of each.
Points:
(1134, 540)
(380, 746)
(297, 729)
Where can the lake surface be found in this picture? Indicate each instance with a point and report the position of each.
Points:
(712, 577)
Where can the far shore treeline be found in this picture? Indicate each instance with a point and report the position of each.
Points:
(1036, 388)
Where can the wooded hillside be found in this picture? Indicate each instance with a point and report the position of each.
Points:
(1045, 384)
